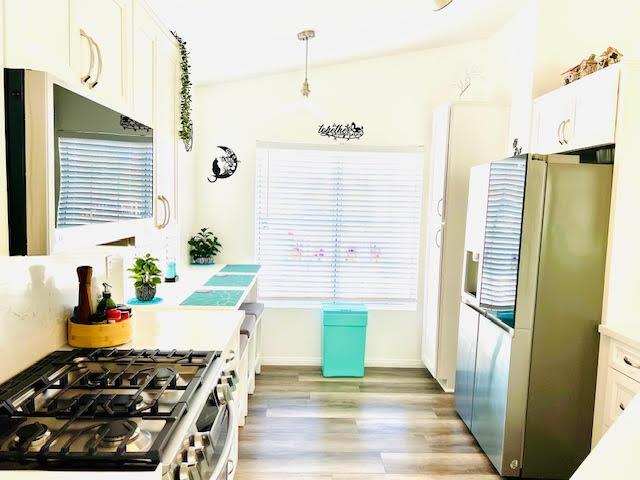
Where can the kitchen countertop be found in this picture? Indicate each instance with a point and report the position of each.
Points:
(192, 278)
(624, 332)
(184, 329)
(616, 454)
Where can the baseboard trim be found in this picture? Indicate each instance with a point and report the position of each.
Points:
(317, 361)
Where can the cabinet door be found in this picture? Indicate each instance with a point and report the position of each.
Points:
(431, 315)
(553, 114)
(145, 38)
(107, 22)
(37, 35)
(435, 232)
(165, 135)
(466, 362)
(596, 109)
(439, 155)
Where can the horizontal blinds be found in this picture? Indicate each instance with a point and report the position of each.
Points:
(104, 180)
(503, 232)
(338, 225)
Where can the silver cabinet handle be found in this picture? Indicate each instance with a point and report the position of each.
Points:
(439, 238)
(168, 210)
(439, 207)
(87, 77)
(162, 224)
(630, 363)
(564, 130)
(231, 466)
(99, 74)
(559, 132)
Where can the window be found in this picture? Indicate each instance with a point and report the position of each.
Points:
(104, 180)
(338, 224)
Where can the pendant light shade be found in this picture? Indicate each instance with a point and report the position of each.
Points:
(440, 4)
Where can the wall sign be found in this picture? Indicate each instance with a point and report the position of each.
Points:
(223, 166)
(341, 132)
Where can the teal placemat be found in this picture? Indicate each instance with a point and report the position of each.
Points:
(153, 301)
(214, 298)
(229, 281)
(241, 268)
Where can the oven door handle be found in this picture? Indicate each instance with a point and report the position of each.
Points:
(223, 463)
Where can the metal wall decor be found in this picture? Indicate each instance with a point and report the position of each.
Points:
(349, 131)
(128, 123)
(223, 166)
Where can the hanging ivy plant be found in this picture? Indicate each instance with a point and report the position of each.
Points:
(186, 124)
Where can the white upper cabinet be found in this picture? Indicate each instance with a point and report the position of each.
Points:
(37, 35)
(577, 116)
(100, 42)
(145, 47)
(165, 133)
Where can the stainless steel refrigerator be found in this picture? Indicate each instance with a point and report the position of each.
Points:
(532, 291)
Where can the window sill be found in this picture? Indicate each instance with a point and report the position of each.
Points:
(317, 305)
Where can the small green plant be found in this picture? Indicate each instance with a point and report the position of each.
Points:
(145, 271)
(204, 245)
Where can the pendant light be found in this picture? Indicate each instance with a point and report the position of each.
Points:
(440, 4)
(305, 36)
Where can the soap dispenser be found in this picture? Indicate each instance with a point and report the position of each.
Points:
(107, 302)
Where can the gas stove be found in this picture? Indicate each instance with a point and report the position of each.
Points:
(109, 409)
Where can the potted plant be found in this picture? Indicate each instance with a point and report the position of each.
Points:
(146, 274)
(204, 246)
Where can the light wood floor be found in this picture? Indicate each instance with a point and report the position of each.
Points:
(394, 424)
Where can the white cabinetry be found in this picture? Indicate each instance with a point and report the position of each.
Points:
(457, 145)
(165, 135)
(100, 46)
(618, 377)
(146, 35)
(36, 34)
(577, 116)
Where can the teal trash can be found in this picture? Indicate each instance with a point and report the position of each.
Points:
(344, 334)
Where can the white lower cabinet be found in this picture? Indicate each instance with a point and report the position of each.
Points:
(618, 381)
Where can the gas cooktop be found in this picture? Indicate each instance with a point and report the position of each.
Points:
(83, 408)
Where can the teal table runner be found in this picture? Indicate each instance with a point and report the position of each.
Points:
(241, 268)
(229, 281)
(214, 298)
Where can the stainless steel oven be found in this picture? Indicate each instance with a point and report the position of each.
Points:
(209, 450)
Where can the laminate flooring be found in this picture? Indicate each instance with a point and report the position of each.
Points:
(393, 424)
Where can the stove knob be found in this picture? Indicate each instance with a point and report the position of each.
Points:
(187, 472)
(199, 441)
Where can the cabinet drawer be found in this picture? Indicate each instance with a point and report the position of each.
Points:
(620, 390)
(625, 360)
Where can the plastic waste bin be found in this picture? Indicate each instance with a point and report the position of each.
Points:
(344, 334)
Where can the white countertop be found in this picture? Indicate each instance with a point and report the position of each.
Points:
(190, 279)
(624, 332)
(616, 455)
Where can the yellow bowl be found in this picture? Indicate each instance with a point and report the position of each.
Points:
(98, 336)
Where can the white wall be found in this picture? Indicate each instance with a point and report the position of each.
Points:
(37, 296)
(393, 98)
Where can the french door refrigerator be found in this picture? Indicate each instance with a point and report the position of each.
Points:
(533, 279)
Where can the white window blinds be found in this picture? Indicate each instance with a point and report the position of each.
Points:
(503, 231)
(338, 224)
(104, 180)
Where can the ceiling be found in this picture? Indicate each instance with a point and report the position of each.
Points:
(243, 38)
